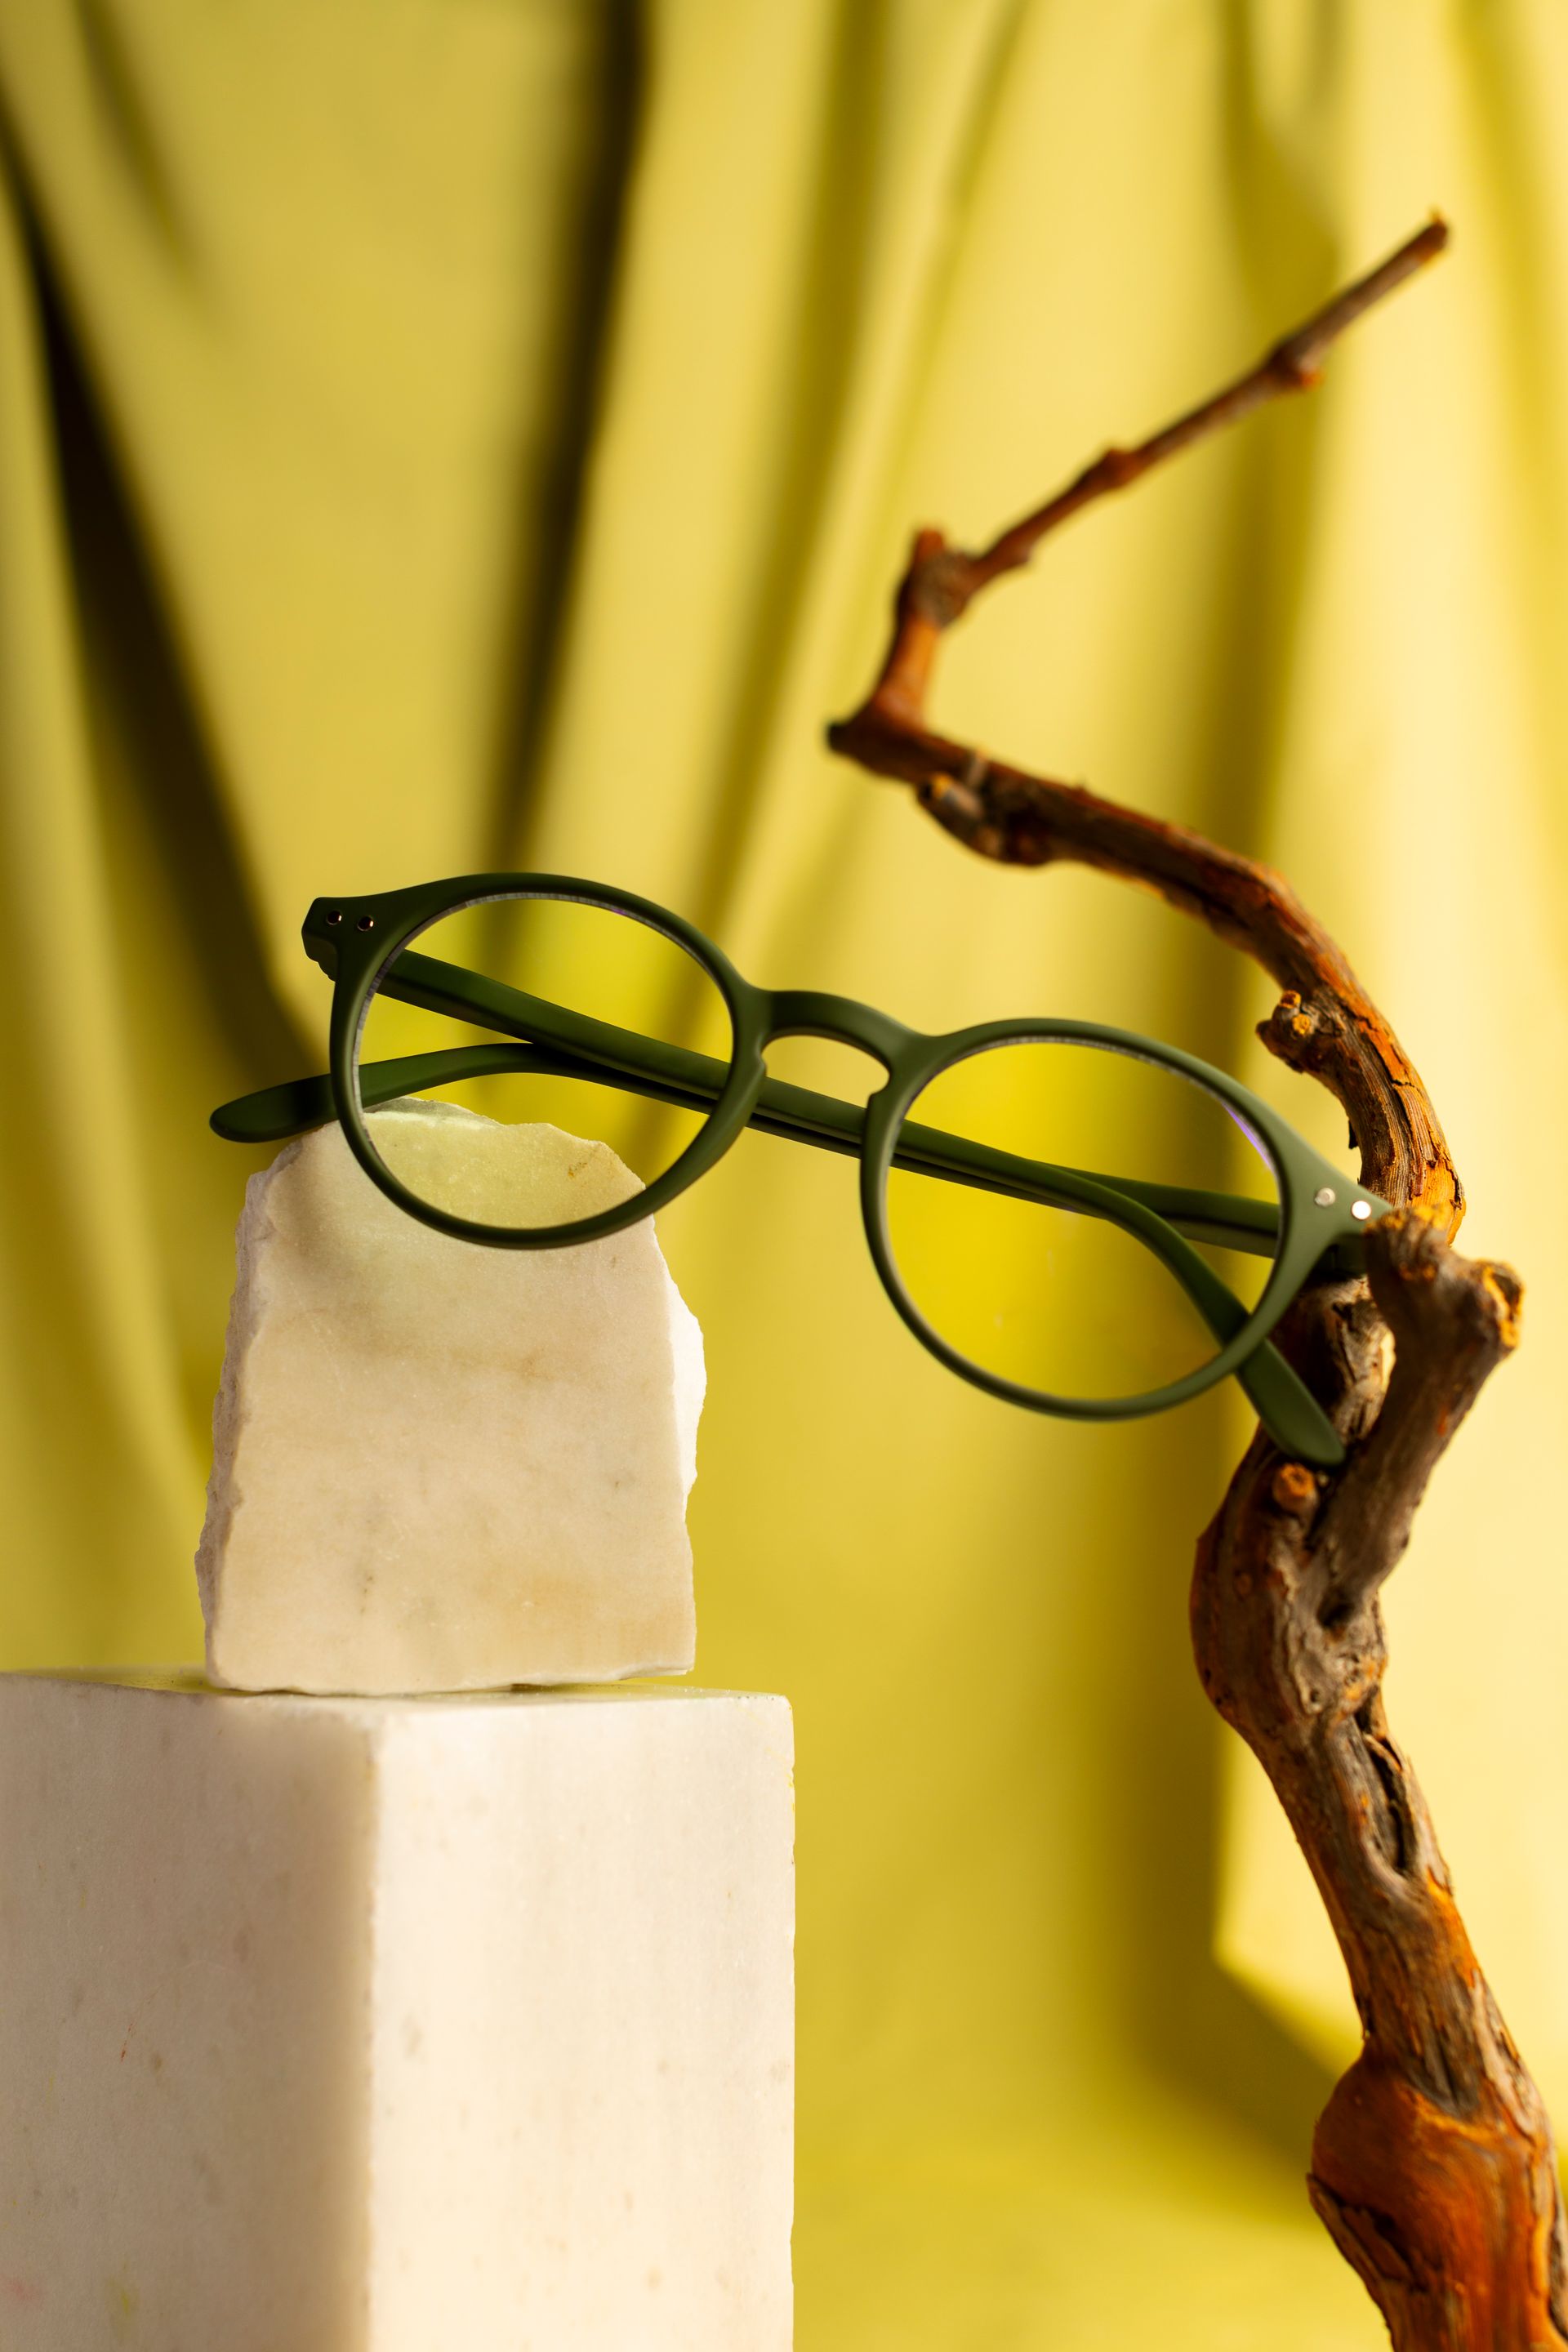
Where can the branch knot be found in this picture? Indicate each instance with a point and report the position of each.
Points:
(941, 584)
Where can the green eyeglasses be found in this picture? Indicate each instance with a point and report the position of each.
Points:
(1076, 1218)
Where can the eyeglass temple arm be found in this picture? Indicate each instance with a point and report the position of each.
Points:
(793, 1112)
(1282, 1402)
(797, 1113)
(694, 1081)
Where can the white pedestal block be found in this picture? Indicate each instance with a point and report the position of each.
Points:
(393, 2025)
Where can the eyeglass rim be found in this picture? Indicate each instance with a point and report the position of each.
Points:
(356, 952)
(885, 1117)
(413, 911)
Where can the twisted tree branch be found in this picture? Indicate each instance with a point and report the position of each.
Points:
(1433, 2166)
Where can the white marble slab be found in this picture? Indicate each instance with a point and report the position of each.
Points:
(441, 1465)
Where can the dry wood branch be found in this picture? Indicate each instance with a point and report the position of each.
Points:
(940, 580)
(1433, 2166)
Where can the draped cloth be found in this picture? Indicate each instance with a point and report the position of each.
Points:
(485, 433)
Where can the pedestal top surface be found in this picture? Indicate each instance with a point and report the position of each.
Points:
(188, 1682)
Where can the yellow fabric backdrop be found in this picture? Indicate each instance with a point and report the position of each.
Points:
(472, 432)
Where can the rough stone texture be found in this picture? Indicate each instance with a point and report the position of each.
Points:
(438, 1465)
(391, 2025)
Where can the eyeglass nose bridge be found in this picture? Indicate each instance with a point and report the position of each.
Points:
(810, 1013)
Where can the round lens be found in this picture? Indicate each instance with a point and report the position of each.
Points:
(1078, 1220)
(537, 1013)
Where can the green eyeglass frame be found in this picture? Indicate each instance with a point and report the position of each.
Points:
(1318, 1227)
